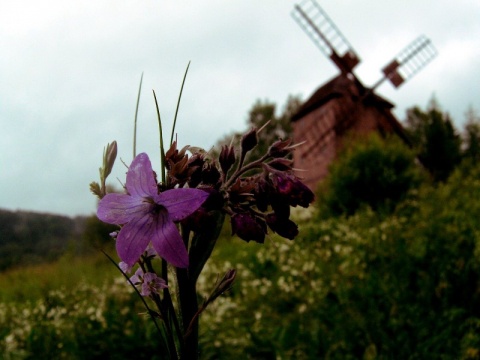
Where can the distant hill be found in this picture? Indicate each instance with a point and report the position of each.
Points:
(30, 237)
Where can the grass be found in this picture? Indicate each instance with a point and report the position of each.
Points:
(30, 283)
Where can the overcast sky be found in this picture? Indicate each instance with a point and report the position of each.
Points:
(69, 75)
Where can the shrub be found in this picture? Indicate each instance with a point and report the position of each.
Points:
(371, 172)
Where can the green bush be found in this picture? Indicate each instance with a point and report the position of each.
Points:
(404, 286)
(371, 172)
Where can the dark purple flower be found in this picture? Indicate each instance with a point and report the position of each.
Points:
(282, 226)
(292, 188)
(248, 227)
(148, 216)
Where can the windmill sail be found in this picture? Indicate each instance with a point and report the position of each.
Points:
(409, 61)
(323, 32)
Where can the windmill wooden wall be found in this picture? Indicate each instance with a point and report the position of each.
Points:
(337, 111)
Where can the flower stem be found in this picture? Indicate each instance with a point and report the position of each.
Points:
(188, 306)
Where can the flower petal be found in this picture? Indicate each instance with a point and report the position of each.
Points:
(167, 241)
(140, 178)
(121, 208)
(181, 202)
(133, 239)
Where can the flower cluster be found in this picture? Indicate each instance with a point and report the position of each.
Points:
(179, 219)
(257, 195)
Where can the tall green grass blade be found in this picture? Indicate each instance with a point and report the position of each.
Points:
(178, 103)
(162, 150)
(135, 121)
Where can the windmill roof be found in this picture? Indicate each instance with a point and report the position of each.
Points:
(341, 86)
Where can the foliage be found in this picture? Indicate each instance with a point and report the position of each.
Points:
(20, 286)
(96, 233)
(69, 325)
(471, 137)
(370, 172)
(404, 286)
(28, 237)
(436, 142)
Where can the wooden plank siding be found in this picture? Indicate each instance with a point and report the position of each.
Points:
(341, 109)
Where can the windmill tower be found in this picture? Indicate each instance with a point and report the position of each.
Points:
(344, 105)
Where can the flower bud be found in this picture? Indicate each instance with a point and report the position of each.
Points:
(226, 158)
(249, 141)
(280, 148)
(210, 174)
(223, 285)
(109, 156)
(95, 189)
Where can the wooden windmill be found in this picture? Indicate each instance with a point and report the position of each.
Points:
(344, 105)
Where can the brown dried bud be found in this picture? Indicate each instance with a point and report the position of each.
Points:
(249, 141)
(173, 156)
(109, 156)
(280, 148)
(210, 174)
(226, 158)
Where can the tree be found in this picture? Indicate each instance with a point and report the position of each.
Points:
(471, 136)
(436, 142)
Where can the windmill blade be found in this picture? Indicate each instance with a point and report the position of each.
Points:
(323, 32)
(410, 61)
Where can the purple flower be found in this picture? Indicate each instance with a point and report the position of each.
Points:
(124, 267)
(150, 282)
(148, 216)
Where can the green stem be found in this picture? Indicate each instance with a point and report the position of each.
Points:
(188, 306)
(244, 169)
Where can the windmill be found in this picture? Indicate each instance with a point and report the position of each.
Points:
(323, 32)
(344, 104)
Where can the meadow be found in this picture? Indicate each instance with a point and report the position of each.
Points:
(395, 280)
(404, 286)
